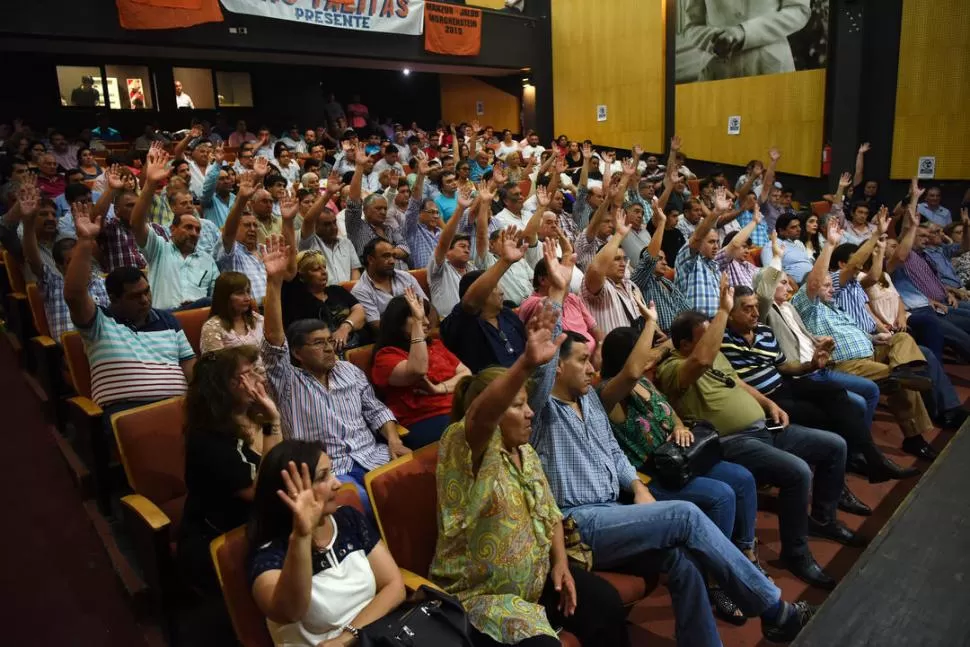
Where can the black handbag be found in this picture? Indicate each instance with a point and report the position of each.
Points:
(430, 619)
(674, 466)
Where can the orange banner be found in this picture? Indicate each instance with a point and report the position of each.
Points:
(167, 14)
(452, 29)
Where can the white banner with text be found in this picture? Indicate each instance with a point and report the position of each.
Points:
(388, 16)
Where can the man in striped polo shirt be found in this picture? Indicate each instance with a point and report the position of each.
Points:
(137, 354)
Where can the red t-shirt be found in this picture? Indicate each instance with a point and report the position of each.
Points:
(408, 405)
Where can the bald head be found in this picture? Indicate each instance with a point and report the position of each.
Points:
(262, 204)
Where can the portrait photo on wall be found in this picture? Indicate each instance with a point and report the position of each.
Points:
(730, 39)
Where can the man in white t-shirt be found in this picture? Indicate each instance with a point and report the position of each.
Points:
(533, 148)
(182, 100)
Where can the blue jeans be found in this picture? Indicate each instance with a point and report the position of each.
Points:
(676, 537)
(862, 391)
(356, 476)
(943, 397)
(926, 329)
(784, 459)
(727, 494)
(427, 431)
(955, 326)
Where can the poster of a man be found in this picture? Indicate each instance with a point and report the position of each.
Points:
(728, 39)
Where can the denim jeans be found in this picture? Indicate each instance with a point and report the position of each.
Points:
(784, 459)
(727, 494)
(943, 397)
(926, 329)
(356, 476)
(955, 326)
(863, 391)
(677, 538)
(427, 431)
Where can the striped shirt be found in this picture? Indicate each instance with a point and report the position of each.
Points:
(375, 300)
(240, 259)
(924, 277)
(55, 308)
(699, 279)
(361, 232)
(668, 300)
(826, 320)
(118, 247)
(174, 277)
(756, 363)
(421, 240)
(740, 271)
(615, 306)
(344, 415)
(135, 365)
(851, 298)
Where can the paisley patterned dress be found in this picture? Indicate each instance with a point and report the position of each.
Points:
(494, 536)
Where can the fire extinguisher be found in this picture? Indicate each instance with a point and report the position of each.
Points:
(826, 159)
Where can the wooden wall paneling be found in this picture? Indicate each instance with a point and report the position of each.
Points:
(459, 95)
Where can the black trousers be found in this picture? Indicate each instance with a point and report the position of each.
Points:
(827, 407)
(600, 618)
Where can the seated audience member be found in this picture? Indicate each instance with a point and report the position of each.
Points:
(614, 300)
(89, 167)
(932, 210)
(65, 153)
(320, 233)
(421, 219)
(586, 471)
(374, 223)
(576, 316)
(30, 205)
(230, 422)
(822, 403)
(850, 297)
(694, 211)
(241, 135)
(49, 181)
(642, 420)
(217, 197)
(289, 167)
(811, 235)
(481, 330)
(180, 275)
(650, 276)
(310, 295)
(597, 231)
(447, 198)
(491, 489)
(700, 383)
(895, 356)
(511, 214)
(733, 260)
(233, 321)
(414, 375)
(50, 276)
(381, 281)
(516, 282)
(451, 259)
(319, 573)
(321, 398)
(796, 260)
(137, 354)
(941, 255)
(549, 229)
(858, 228)
(697, 268)
(389, 161)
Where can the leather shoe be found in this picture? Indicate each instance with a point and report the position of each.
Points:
(857, 464)
(912, 380)
(850, 503)
(885, 470)
(836, 531)
(919, 448)
(807, 570)
(888, 385)
(799, 613)
(953, 419)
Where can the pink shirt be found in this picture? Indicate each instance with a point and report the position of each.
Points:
(575, 315)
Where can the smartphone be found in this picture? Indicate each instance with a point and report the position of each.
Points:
(775, 427)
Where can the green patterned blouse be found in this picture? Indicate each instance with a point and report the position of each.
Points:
(494, 536)
(648, 424)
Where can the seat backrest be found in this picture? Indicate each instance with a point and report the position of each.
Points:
(152, 449)
(348, 285)
(362, 357)
(525, 186)
(695, 186)
(15, 272)
(77, 363)
(404, 496)
(36, 301)
(230, 554)
(821, 207)
(421, 276)
(191, 322)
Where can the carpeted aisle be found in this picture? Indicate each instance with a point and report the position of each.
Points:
(58, 584)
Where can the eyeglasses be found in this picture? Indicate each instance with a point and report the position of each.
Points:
(434, 211)
(319, 343)
(721, 377)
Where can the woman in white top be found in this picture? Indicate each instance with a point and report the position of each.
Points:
(318, 572)
(289, 168)
(232, 319)
(507, 145)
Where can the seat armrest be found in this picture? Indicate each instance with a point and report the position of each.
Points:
(86, 406)
(402, 431)
(413, 581)
(44, 341)
(148, 512)
(644, 478)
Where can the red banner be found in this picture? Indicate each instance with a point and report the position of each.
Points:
(167, 14)
(450, 29)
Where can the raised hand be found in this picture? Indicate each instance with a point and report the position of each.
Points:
(727, 295)
(845, 180)
(255, 388)
(261, 166)
(247, 185)
(275, 257)
(620, 224)
(658, 214)
(540, 347)
(485, 192)
(882, 221)
(156, 169)
(113, 177)
(756, 216)
(415, 303)
(393, 179)
(464, 197)
(629, 167)
(561, 165)
(83, 224)
(675, 143)
(303, 501)
(637, 151)
(864, 148)
(543, 197)
(609, 157)
(289, 207)
(28, 198)
(219, 153)
(915, 189)
(774, 154)
(558, 275)
(334, 185)
(776, 250)
(587, 151)
(721, 201)
(424, 167)
(476, 127)
(360, 155)
(499, 174)
(650, 312)
(195, 132)
(512, 245)
(834, 233)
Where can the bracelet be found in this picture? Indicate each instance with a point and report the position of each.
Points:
(418, 340)
(352, 630)
(349, 323)
(270, 428)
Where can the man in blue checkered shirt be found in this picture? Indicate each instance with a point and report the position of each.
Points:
(697, 273)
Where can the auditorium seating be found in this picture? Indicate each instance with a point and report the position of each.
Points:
(17, 310)
(404, 496)
(362, 357)
(821, 207)
(230, 555)
(47, 356)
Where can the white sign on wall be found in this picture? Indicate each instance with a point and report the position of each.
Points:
(399, 17)
(927, 167)
(600, 113)
(734, 125)
(479, 108)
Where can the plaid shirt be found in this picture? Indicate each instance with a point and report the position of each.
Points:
(242, 260)
(360, 232)
(580, 456)
(851, 298)
(941, 259)
(759, 237)
(118, 247)
(826, 320)
(669, 300)
(582, 211)
(923, 275)
(699, 279)
(586, 250)
(58, 315)
(421, 240)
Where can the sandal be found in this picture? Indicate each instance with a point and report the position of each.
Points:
(757, 564)
(724, 607)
